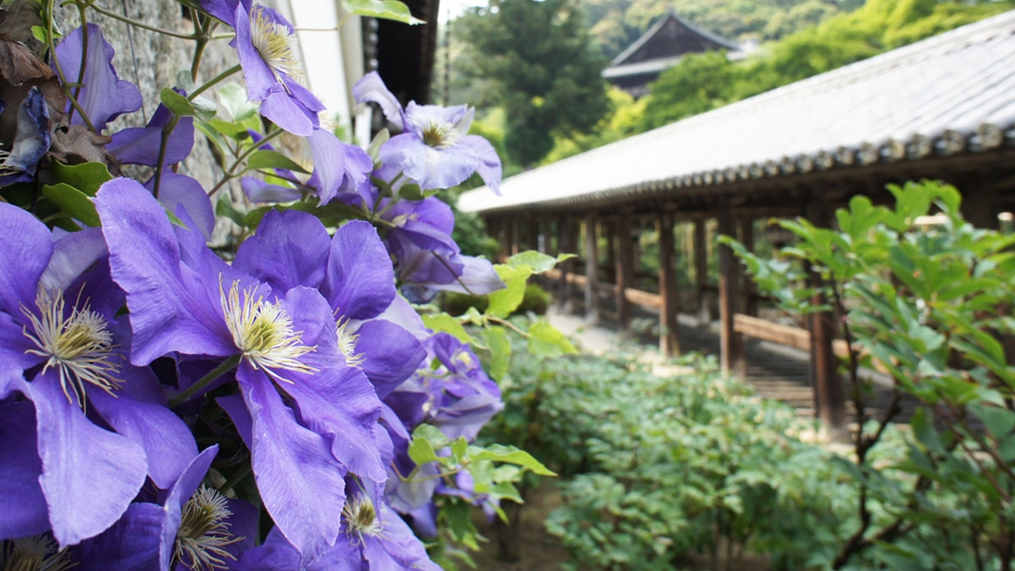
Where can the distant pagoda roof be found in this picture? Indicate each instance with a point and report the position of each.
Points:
(669, 39)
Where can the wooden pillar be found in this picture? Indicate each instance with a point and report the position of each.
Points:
(750, 301)
(701, 271)
(980, 208)
(509, 238)
(730, 342)
(591, 271)
(623, 272)
(564, 246)
(545, 232)
(669, 337)
(532, 234)
(610, 232)
(829, 400)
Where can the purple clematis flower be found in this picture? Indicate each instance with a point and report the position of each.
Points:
(374, 538)
(353, 272)
(183, 299)
(427, 258)
(434, 149)
(192, 525)
(264, 44)
(62, 350)
(104, 96)
(456, 396)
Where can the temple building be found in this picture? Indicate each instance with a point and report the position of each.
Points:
(661, 47)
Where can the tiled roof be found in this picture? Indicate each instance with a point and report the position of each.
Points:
(949, 94)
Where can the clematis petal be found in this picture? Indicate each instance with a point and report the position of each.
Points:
(172, 308)
(25, 249)
(281, 109)
(24, 510)
(258, 76)
(178, 191)
(258, 190)
(488, 165)
(131, 544)
(391, 354)
(139, 412)
(72, 256)
(76, 455)
(289, 249)
(141, 145)
(104, 96)
(360, 282)
(477, 278)
(341, 406)
(301, 483)
(329, 156)
(431, 168)
(371, 88)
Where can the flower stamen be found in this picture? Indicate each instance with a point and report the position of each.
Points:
(274, 41)
(80, 345)
(33, 553)
(204, 532)
(263, 332)
(361, 517)
(347, 339)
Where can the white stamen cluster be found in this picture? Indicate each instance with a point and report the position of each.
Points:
(33, 553)
(361, 517)
(79, 345)
(347, 339)
(204, 532)
(263, 331)
(274, 41)
(440, 135)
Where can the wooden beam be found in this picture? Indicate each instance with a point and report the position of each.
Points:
(591, 270)
(701, 271)
(669, 337)
(622, 230)
(731, 345)
(829, 400)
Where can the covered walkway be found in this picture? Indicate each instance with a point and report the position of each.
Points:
(643, 212)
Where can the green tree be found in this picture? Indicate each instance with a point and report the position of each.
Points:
(541, 67)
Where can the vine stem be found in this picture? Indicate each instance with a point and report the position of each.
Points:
(230, 174)
(206, 380)
(213, 81)
(142, 25)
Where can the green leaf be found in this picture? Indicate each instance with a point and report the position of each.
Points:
(505, 301)
(426, 440)
(85, 177)
(998, 421)
(411, 191)
(39, 33)
(458, 449)
(232, 130)
(225, 209)
(204, 108)
(386, 9)
(375, 145)
(536, 261)
(510, 455)
(448, 324)
(496, 339)
(263, 159)
(73, 202)
(234, 99)
(178, 104)
(546, 340)
(925, 433)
